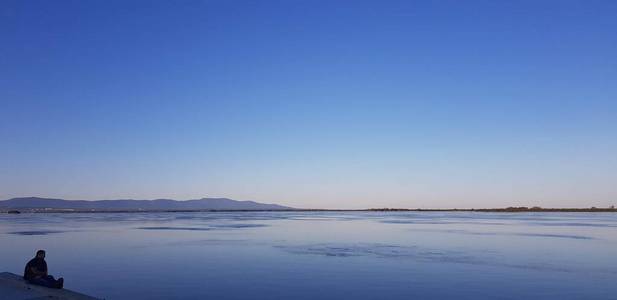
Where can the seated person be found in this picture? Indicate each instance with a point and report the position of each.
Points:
(36, 272)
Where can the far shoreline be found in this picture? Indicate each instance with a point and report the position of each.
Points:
(489, 210)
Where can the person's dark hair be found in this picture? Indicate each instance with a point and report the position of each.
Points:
(40, 252)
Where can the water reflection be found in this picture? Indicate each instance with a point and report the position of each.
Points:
(322, 255)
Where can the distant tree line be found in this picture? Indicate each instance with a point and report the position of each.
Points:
(509, 209)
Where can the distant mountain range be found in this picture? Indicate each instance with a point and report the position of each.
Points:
(130, 204)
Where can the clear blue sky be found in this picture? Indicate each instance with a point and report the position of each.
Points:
(334, 104)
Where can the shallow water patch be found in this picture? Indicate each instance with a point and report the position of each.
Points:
(378, 250)
(175, 228)
(239, 225)
(36, 232)
(496, 233)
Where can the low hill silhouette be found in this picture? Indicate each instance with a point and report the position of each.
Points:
(131, 204)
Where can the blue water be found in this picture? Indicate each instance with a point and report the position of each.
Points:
(322, 255)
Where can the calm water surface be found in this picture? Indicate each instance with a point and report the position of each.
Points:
(322, 255)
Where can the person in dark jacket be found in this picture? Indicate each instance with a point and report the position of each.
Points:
(36, 272)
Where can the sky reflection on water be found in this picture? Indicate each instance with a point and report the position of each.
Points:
(325, 255)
